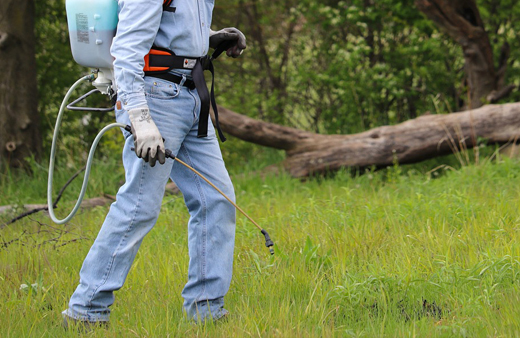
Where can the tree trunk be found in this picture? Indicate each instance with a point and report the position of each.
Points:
(461, 20)
(19, 120)
(412, 141)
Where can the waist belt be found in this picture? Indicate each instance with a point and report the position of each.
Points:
(160, 61)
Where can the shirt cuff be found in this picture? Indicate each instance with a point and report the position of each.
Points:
(133, 100)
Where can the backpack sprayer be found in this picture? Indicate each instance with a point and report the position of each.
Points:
(92, 26)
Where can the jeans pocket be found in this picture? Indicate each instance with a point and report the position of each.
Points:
(161, 89)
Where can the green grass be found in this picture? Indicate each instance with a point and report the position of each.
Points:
(393, 253)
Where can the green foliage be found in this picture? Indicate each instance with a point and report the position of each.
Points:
(329, 66)
(347, 66)
(394, 253)
(371, 60)
(503, 24)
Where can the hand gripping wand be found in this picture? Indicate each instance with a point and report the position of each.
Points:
(168, 154)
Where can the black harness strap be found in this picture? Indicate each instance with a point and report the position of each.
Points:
(171, 61)
(197, 65)
(213, 101)
(200, 83)
(206, 97)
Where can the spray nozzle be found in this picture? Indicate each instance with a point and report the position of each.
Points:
(268, 242)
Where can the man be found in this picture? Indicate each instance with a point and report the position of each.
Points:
(164, 115)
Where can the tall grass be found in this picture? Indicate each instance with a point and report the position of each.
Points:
(395, 253)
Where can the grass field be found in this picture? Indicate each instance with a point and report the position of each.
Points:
(395, 253)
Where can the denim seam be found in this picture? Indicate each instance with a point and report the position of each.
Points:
(204, 225)
(195, 107)
(123, 238)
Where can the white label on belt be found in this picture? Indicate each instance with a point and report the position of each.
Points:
(189, 63)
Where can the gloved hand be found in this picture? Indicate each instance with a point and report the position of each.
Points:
(148, 141)
(230, 33)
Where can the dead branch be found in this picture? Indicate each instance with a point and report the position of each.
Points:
(34, 208)
(412, 141)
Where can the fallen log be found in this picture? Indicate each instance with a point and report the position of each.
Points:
(412, 141)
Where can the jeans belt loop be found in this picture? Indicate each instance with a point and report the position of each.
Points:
(183, 80)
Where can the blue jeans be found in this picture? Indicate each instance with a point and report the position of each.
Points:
(211, 227)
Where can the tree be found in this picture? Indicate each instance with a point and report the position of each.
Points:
(19, 120)
(462, 21)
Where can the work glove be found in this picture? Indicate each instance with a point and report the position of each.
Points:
(148, 142)
(230, 33)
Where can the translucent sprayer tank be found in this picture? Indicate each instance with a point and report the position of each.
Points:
(92, 26)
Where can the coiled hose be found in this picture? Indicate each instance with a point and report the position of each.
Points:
(89, 159)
